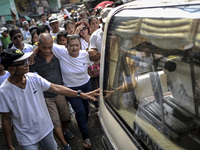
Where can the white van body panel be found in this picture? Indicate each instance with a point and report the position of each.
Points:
(117, 136)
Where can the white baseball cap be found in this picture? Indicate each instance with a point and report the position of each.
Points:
(3, 29)
(53, 19)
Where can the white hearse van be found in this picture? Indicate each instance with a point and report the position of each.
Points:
(150, 76)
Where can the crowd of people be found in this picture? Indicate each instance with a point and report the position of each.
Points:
(48, 70)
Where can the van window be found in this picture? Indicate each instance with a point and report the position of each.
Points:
(152, 75)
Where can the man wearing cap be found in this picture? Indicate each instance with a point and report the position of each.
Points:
(5, 38)
(22, 101)
(54, 23)
(25, 32)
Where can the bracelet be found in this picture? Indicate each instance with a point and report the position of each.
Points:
(79, 93)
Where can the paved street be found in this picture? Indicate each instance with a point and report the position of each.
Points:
(76, 142)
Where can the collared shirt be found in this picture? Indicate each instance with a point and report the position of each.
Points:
(50, 71)
(27, 48)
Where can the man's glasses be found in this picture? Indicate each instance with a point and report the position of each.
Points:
(25, 63)
(83, 29)
(16, 37)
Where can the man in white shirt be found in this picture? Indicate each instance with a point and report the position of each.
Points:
(64, 12)
(22, 101)
(25, 32)
(54, 23)
(44, 21)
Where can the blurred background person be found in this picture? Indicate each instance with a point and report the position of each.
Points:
(83, 15)
(43, 19)
(69, 27)
(4, 39)
(62, 38)
(25, 32)
(48, 16)
(55, 25)
(92, 12)
(34, 37)
(93, 23)
(43, 29)
(64, 11)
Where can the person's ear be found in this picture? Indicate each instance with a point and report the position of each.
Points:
(11, 69)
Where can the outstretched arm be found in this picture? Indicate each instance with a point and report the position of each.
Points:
(6, 122)
(62, 90)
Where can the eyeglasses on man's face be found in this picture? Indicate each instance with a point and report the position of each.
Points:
(17, 37)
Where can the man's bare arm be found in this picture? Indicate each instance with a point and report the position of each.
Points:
(31, 59)
(6, 123)
(62, 90)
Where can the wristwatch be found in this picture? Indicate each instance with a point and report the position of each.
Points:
(79, 93)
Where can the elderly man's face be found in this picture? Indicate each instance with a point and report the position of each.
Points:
(45, 47)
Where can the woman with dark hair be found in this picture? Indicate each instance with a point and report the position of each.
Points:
(34, 37)
(43, 29)
(69, 27)
(83, 29)
(92, 12)
(93, 23)
(76, 77)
